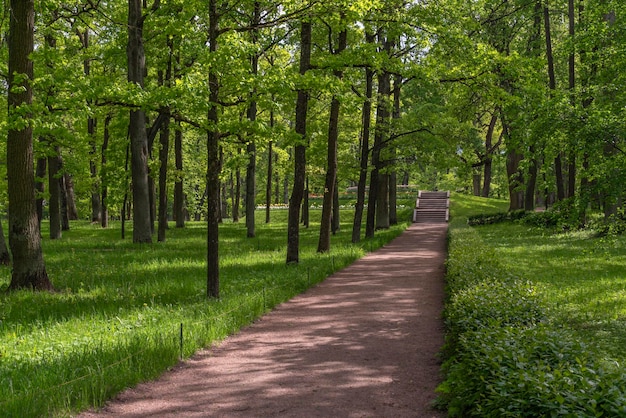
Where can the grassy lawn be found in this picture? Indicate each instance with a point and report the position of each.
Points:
(582, 278)
(121, 309)
(534, 319)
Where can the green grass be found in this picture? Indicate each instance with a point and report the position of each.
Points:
(534, 320)
(581, 277)
(116, 317)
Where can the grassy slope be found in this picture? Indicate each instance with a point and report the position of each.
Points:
(116, 318)
(582, 278)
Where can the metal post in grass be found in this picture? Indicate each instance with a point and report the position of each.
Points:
(181, 341)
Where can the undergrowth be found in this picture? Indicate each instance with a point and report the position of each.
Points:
(506, 353)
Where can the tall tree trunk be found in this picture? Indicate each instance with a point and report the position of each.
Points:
(72, 211)
(65, 218)
(237, 196)
(571, 166)
(377, 216)
(558, 162)
(335, 220)
(5, 256)
(213, 164)
(366, 118)
(331, 158)
(104, 216)
(29, 270)
(164, 140)
(268, 184)
(179, 195)
(40, 188)
(489, 150)
(164, 150)
(252, 115)
(297, 192)
(305, 204)
(393, 175)
(142, 228)
(54, 200)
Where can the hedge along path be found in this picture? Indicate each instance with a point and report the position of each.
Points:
(363, 343)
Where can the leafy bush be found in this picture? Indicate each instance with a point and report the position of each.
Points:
(492, 303)
(530, 372)
(494, 218)
(503, 356)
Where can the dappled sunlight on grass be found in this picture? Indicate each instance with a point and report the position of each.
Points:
(582, 277)
(118, 302)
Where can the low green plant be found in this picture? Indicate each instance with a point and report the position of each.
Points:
(546, 347)
(536, 371)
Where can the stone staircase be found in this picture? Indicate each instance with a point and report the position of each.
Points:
(432, 207)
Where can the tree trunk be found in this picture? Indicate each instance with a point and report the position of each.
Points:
(252, 115)
(393, 175)
(213, 164)
(65, 218)
(142, 227)
(164, 140)
(72, 211)
(335, 220)
(40, 188)
(5, 256)
(366, 117)
(331, 158)
(377, 216)
(571, 165)
(104, 216)
(305, 204)
(179, 196)
(558, 163)
(489, 150)
(268, 184)
(237, 196)
(29, 269)
(476, 180)
(54, 200)
(295, 201)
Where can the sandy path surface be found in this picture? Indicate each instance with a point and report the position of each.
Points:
(363, 343)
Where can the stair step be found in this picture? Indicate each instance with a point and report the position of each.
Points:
(432, 207)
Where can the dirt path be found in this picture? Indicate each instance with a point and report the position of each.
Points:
(361, 344)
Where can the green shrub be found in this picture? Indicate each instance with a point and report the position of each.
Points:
(503, 356)
(492, 303)
(530, 372)
(494, 218)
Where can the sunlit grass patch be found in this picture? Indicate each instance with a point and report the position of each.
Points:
(124, 313)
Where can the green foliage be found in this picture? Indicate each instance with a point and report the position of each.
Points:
(489, 219)
(531, 372)
(512, 347)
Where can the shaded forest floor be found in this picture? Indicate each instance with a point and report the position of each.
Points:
(363, 343)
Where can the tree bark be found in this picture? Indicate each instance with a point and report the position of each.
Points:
(297, 192)
(331, 158)
(5, 256)
(29, 269)
(213, 164)
(268, 184)
(54, 199)
(179, 196)
(558, 163)
(252, 115)
(142, 227)
(366, 118)
(40, 188)
(104, 216)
